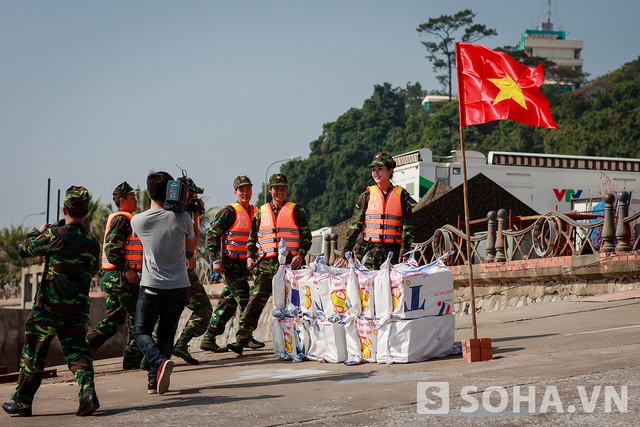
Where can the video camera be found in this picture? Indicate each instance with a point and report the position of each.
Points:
(182, 195)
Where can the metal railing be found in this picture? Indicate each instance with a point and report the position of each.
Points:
(550, 235)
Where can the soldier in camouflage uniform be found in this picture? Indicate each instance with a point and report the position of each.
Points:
(270, 220)
(61, 305)
(226, 242)
(120, 279)
(200, 305)
(382, 232)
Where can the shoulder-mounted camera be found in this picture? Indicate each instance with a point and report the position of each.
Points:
(182, 195)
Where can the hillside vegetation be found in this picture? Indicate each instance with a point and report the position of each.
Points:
(600, 119)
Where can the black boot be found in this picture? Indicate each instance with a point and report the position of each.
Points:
(14, 408)
(88, 405)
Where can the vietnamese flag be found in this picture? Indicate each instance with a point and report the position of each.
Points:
(494, 86)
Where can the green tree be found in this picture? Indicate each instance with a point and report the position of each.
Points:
(444, 30)
(10, 261)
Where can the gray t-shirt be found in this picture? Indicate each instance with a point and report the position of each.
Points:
(163, 235)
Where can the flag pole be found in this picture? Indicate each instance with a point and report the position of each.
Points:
(465, 192)
(467, 224)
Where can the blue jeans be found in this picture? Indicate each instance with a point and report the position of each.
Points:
(164, 307)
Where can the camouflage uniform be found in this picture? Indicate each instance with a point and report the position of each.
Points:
(122, 296)
(198, 302)
(267, 268)
(378, 251)
(235, 276)
(61, 305)
(200, 305)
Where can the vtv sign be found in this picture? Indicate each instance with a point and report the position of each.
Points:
(567, 194)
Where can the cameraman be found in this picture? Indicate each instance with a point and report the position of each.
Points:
(163, 288)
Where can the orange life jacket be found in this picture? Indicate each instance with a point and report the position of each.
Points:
(273, 229)
(383, 218)
(132, 247)
(234, 241)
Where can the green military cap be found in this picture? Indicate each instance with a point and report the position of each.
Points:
(121, 192)
(240, 181)
(383, 159)
(278, 179)
(76, 200)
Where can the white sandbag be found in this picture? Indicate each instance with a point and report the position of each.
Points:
(415, 340)
(296, 282)
(383, 297)
(338, 297)
(328, 342)
(279, 289)
(366, 280)
(354, 308)
(286, 342)
(319, 286)
(421, 291)
(368, 338)
(278, 283)
(354, 305)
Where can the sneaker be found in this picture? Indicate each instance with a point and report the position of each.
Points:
(181, 349)
(164, 375)
(254, 344)
(236, 347)
(88, 405)
(209, 344)
(152, 387)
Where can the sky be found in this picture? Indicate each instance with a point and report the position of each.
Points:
(94, 93)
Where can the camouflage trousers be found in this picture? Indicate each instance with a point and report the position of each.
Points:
(259, 295)
(200, 305)
(121, 301)
(234, 294)
(40, 328)
(378, 254)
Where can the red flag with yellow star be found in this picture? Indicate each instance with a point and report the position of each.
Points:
(494, 86)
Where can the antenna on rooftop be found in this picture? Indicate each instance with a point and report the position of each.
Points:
(547, 26)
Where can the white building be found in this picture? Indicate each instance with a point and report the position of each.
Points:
(547, 43)
(545, 182)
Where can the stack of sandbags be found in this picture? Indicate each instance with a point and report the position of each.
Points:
(413, 311)
(397, 314)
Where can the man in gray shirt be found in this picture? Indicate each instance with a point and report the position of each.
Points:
(163, 287)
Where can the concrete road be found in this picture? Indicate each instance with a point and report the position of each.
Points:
(561, 363)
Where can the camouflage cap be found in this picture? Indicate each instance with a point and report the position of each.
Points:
(278, 179)
(121, 192)
(76, 200)
(383, 159)
(240, 181)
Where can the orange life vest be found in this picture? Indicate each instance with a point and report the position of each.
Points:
(383, 218)
(234, 241)
(273, 229)
(132, 247)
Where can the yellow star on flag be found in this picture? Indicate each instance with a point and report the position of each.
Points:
(509, 89)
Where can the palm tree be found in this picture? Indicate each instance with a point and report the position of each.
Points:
(97, 218)
(10, 261)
